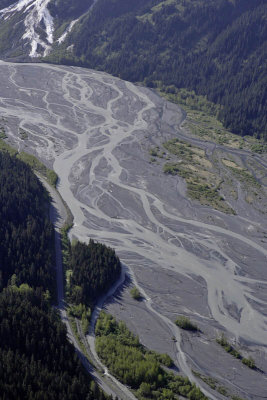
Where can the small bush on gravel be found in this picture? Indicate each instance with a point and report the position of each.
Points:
(135, 293)
(185, 323)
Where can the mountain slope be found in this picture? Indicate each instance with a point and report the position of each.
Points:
(217, 48)
(30, 27)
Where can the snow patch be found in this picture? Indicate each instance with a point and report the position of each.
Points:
(38, 18)
(67, 31)
(37, 14)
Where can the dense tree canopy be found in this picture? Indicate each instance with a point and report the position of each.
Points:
(95, 267)
(26, 235)
(36, 360)
(68, 9)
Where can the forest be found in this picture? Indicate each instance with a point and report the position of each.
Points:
(26, 234)
(68, 9)
(37, 362)
(94, 268)
(36, 359)
(217, 48)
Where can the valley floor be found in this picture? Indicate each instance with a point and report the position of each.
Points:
(97, 132)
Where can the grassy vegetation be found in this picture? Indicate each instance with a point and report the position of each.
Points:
(228, 347)
(36, 165)
(249, 362)
(7, 148)
(203, 183)
(185, 323)
(259, 148)
(189, 99)
(205, 194)
(222, 390)
(2, 133)
(245, 177)
(32, 161)
(155, 152)
(135, 293)
(182, 149)
(202, 119)
(204, 178)
(249, 183)
(214, 384)
(176, 169)
(134, 365)
(211, 382)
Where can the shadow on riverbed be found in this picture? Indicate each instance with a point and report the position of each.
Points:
(117, 296)
(55, 216)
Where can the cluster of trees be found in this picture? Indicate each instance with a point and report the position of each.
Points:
(36, 360)
(137, 367)
(95, 267)
(26, 234)
(217, 48)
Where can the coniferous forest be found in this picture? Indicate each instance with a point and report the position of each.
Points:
(217, 48)
(26, 234)
(95, 267)
(36, 359)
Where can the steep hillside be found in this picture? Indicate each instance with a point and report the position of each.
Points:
(28, 28)
(217, 48)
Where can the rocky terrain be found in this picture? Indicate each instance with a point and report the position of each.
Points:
(109, 142)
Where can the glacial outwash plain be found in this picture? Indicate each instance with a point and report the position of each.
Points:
(125, 163)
